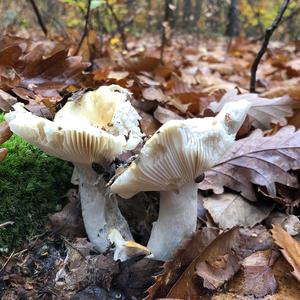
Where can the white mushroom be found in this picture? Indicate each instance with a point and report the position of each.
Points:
(126, 249)
(170, 161)
(94, 129)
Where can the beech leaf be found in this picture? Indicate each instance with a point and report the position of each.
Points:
(257, 159)
(290, 248)
(229, 210)
(264, 111)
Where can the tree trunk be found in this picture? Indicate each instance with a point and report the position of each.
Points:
(197, 13)
(186, 17)
(232, 28)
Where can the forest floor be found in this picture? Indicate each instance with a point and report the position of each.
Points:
(234, 254)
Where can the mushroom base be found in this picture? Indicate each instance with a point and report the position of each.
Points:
(100, 210)
(177, 220)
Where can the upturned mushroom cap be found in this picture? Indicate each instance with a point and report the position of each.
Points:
(126, 249)
(96, 128)
(180, 151)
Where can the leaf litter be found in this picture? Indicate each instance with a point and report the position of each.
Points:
(240, 193)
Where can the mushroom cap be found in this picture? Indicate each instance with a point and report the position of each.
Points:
(107, 108)
(91, 129)
(180, 151)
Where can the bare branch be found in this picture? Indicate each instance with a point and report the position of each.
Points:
(39, 17)
(268, 34)
(86, 26)
(120, 27)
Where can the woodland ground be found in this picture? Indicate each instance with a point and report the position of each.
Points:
(234, 254)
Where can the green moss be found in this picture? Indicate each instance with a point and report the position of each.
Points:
(32, 185)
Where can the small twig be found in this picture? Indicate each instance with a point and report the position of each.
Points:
(120, 27)
(268, 34)
(39, 17)
(86, 26)
(7, 261)
(6, 224)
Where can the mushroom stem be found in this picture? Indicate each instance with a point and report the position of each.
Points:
(100, 209)
(177, 220)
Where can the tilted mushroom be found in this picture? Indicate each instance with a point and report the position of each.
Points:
(93, 129)
(170, 161)
(126, 249)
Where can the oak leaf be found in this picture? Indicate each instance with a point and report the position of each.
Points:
(257, 159)
(290, 248)
(229, 210)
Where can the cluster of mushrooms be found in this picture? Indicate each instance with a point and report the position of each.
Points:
(97, 129)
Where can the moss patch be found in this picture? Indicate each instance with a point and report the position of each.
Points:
(32, 185)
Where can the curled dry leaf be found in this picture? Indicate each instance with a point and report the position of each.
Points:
(264, 111)
(258, 160)
(290, 248)
(229, 210)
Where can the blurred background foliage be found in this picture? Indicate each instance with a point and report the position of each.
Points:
(210, 18)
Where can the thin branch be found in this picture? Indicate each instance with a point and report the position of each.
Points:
(86, 26)
(39, 17)
(164, 29)
(120, 27)
(268, 34)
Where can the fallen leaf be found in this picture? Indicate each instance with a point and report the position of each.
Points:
(182, 259)
(69, 221)
(5, 132)
(229, 210)
(154, 94)
(263, 111)
(3, 153)
(257, 159)
(184, 287)
(164, 115)
(290, 248)
(136, 275)
(6, 101)
(290, 223)
(215, 274)
(149, 125)
(256, 277)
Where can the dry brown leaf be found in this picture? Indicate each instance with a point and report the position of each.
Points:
(263, 111)
(69, 221)
(229, 210)
(184, 287)
(256, 277)
(290, 248)
(6, 101)
(5, 132)
(3, 153)
(154, 94)
(291, 90)
(258, 160)
(217, 273)
(149, 125)
(173, 269)
(290, 223)
(164, 115)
